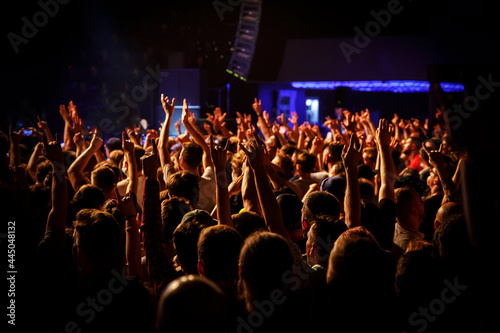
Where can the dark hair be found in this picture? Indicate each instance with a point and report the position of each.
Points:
(98, 235)
(219, 251)
(192, 153)
(104, 178)
(306, 161)
(321, 203)
(287, 150)
(264, 259)
(451, 239)
(185, 185)
(324, 231)
(114, 144)
(43, 168)
(248, 222)
(172, 211)
(291, 210)
(366, 190)
(87, 196)
(334, 150)
(185, 239)
(418, 275)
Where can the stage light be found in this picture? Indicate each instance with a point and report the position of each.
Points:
(395, 86)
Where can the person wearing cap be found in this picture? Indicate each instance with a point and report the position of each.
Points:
(335, 185)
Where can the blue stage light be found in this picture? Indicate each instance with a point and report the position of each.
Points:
(395, 86)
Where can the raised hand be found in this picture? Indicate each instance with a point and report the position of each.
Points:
(167, 106)
(255, 154)
(15, 137)
(127, 145)
(384, 133)
(257, 106)
(219, 154)
(295, 119)
(53, 150)
(78, 139)
(186, 114)
(435, 156)
(63, 111)
(349, 122)
(96, 141)
(352, 153)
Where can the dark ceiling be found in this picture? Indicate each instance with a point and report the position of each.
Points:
(105, 45)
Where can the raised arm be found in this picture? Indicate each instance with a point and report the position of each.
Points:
(126, 206)
(352, 200)
(75, 171)
(387, 168)
(270, 208)
(261, 123)
(186, 114)
(45, 127)
(164, 133)
(59, 194)
(33, 161)
(449, 187)
(129, 150)
(219, 158)
(15, 139)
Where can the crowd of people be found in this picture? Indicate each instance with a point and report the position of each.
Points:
(281, 226)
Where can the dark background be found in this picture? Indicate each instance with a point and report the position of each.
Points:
(95, 51)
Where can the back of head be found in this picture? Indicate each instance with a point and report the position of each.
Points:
(285, 163)
(87, 196)
(354, 258)
(451, 239)
(172, 212)
(248, 222)
(264, 258)
(320, 203)
(219, 251)
(360, 275)
(113, 144)
(291, 210)
(98, 235)
(185, 239)
(116, 157)
(192, 154)
(325, 230)
(184, 184)
(43, 168)
(334, 150)
(405, 200)
(334, 185)
(192, 304)
(366, 190)
(418, 275)
(306, 161)
(104, 178)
